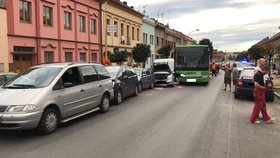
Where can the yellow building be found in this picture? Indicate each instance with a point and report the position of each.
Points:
(128, 23)
(4, 60)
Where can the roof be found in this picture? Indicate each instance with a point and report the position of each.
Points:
(275, 37)
(118, 2)
(192, 46)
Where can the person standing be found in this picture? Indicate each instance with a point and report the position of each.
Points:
(259, 97)
(227, 76)
(213, 68)
(235, 74)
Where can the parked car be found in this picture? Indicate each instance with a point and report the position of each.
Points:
(45, 95)
(4, 77)
(145, 78)
(245, 86)
(163, 71)
(125, 82)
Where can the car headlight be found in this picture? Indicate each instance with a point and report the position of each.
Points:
(182, 75)
(21, 108)
(169, 78)
(205, 76)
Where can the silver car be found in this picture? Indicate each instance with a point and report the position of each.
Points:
(45, 95)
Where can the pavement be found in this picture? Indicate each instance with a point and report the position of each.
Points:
(182, 122)
(276, 82)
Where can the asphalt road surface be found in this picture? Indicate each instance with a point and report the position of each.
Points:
(181, 122)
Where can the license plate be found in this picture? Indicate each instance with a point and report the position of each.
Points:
(191, 80)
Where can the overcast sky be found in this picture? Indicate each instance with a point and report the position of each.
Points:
(232, 25)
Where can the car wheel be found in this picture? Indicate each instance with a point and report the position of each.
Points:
(118, 97)
(49, 121)
(136, 91)
(152, 84)
(140, 87)
(105, 103)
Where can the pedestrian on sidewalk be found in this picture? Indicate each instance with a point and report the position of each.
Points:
(235, 74)
(259, 97)
(227, 76)
(214, 69)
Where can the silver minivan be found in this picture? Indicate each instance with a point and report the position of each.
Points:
(45, 95)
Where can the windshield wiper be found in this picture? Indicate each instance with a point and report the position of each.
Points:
(21, 86)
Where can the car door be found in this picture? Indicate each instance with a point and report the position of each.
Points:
(131, 80)
(72, 92)
(123, 77)
(92, 86)
(144, 78)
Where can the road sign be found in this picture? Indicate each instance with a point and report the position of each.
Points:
(111, 28)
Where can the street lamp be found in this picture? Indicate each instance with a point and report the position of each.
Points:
(193, 31)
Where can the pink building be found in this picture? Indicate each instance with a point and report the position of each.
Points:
(42, 31)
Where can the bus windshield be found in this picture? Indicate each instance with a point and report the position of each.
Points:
(192, 58)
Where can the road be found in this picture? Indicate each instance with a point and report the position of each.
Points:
(179, 122)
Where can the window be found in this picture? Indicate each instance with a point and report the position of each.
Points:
(25, 11)
(93, 26)
(157, 41)
(145, 38)
(122, 29)
(72, 75)
(102, 72)
(48, 57)
(151, 39)
(89, 74)
(82, 56)
(133, 33)
(116, 33)
(138, 34)
(108, 23)
(127, 34)
(3, 4)
(94, 57)
(67, 20)
(68, 56)
(82, 21)
(47, 16)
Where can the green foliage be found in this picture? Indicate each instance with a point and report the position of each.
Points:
(242, 55)
(119, 57)
(165, 51)
(256, 52)
(207, 41)
(141, 52)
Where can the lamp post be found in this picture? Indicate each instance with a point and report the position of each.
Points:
(193, 31)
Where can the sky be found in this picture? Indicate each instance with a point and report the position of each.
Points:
(232, 25)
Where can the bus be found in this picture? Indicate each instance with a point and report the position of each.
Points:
(192, 64)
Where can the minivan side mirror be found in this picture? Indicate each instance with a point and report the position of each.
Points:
(68, 84)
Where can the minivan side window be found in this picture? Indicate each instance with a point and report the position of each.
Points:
(102, 72)
(72, 75)
(89, 74)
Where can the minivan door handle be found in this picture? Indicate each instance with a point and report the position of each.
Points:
(82, 90)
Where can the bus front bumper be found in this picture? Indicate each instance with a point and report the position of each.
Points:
(193, 80)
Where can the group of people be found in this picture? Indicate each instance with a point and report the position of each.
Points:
(260, 78)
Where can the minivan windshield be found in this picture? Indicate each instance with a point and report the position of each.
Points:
(38, 77)
(161, 67)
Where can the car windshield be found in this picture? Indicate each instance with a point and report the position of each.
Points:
(138, 72)
(161, 67)
(113, 71)
(247, 73)
(34, 78)
(242, 65)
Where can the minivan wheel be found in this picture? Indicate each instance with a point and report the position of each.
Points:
(136, 91)
(49, 121)
(105, 104)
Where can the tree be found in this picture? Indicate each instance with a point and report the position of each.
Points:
(206, 41)
(141, 53)
(256, 52)
(165, 51)
(119, 57)
(269, 52)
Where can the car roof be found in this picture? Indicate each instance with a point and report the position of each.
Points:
(65, 64)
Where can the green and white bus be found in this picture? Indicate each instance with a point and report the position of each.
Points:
(192, 64)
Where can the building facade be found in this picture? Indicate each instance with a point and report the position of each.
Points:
(43, 31)
(128, 28)
(149, 38)
(4, 59)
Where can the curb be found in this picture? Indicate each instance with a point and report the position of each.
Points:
(278, 95)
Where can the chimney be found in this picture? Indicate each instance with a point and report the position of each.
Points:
(124, 2)
(131, 7)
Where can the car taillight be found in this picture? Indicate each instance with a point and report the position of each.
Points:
(269, 85)
(239, 83)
